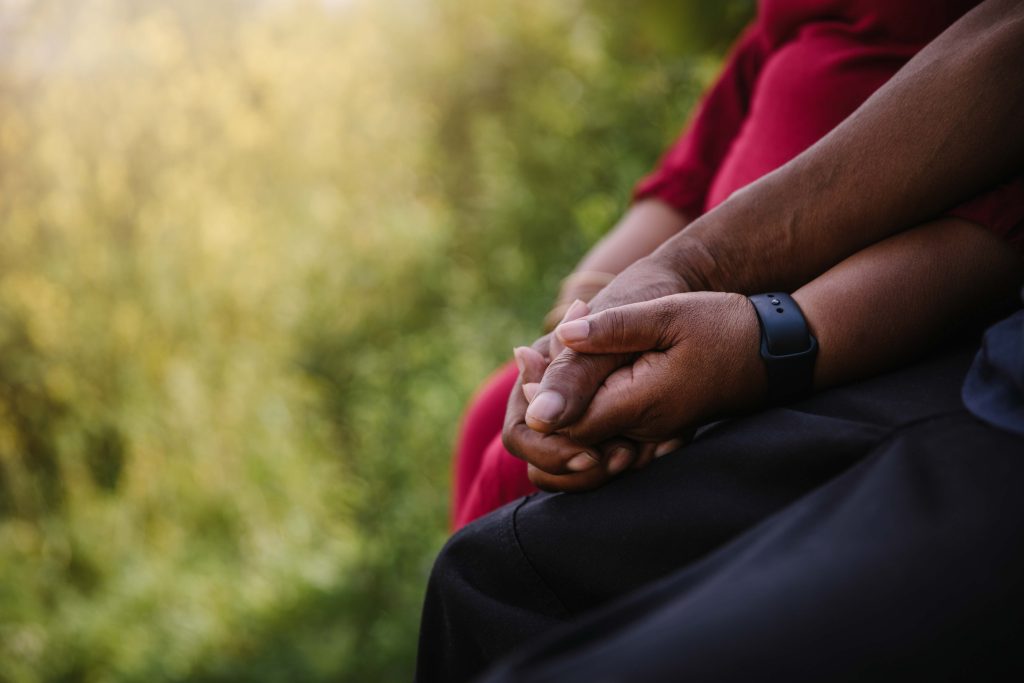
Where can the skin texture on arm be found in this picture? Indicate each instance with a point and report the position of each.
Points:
(696, 356)
(944, 128)
(891, 302)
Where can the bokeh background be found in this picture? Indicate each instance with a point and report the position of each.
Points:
(254, 258)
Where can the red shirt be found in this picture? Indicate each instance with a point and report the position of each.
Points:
(799, 70)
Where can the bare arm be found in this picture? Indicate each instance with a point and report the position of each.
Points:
(945, 127)
(642, 229)
(893, 301)
(699, 353)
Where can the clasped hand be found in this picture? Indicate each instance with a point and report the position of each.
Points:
(601, 394)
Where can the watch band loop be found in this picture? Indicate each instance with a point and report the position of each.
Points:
(787, 346)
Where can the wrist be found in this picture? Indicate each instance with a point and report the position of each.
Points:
(645, 280)
(745, 379)
(691, 261)
(787, 347)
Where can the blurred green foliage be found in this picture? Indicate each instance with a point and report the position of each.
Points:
(254, 258)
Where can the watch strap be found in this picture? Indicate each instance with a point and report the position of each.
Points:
(787, 346)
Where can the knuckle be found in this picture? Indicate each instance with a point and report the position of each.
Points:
(511, 439)
(566, 373)
(664, 319)
(644, 412)
(652, 419)
(538, 451)
(590, 368)
(562, 364)
(616, 328)
(578, 432)
(585, 430)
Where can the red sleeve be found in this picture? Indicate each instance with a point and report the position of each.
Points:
(1001, 210)
(684, 174)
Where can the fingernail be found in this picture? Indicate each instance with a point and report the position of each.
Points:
(546, 407)
(577, 310)
(666, 447)
(517, 353)
(621, 457)
(530, 390)
(581, 461)
(574, 330)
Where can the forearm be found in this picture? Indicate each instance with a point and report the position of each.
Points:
(944, 128)
(699, 355)
(643, 228)
(891, 301)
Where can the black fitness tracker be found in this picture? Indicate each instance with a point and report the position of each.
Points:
(787, 346)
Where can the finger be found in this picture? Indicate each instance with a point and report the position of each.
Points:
(542, 346)
(627, 404)
(645, 456)
(578, 309)
(553, 453)
(568, 483)
(619, 455)
(671, 445)
(531, 364)
(569, 383)
(530, 390)
(645, 326)
(601, 339)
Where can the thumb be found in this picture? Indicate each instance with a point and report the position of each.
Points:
(530, 362)
(644, 326)
(578, 309)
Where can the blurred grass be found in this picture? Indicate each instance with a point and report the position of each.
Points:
(254, 258)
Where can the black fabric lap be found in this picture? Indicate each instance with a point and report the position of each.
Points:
(534, 566)
(907, 566)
